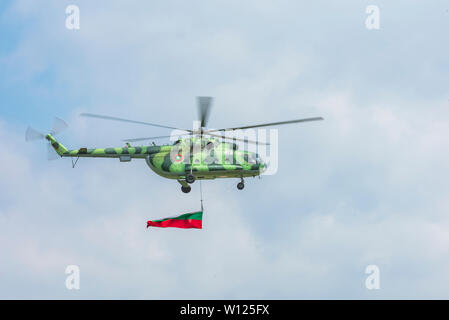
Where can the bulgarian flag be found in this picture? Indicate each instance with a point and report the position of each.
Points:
(185, 221)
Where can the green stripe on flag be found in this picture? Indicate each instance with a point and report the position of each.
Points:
(186, 216)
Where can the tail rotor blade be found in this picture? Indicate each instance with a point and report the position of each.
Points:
(32, 135)
(51, 153)
(58, 125)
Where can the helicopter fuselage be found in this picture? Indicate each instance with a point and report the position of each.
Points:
(202, 158)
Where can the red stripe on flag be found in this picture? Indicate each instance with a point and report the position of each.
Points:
(174, 223)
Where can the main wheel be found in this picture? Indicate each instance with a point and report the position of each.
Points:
(190, 178)
(240, 185)
(186, 189)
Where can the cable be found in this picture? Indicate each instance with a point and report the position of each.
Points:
(201, 196)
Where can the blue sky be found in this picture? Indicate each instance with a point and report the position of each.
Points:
(366, 186)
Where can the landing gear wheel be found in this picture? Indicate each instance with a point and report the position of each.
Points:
(190, 178)
(186, 189)
(240, 185)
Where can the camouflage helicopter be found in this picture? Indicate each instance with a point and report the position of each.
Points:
(203, 154)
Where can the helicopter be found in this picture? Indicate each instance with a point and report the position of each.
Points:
(197, 154)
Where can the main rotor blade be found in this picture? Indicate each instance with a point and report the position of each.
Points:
(153, 138)
(267, 124)
(99, 116)
(32, 134)
(204, 105)
(229, 138)
(58, 125)
(181, 135)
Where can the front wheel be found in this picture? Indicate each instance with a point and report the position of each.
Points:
(186, 189)
(190, 178)
(240, 185)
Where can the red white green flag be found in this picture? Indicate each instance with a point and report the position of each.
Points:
(185, 221)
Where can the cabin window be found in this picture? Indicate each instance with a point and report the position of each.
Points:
(229, 156)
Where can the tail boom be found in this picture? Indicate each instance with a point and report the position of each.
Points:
(59, 148)
(128, 152)
(131, 152)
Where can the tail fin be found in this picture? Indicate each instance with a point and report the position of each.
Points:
(59, 148)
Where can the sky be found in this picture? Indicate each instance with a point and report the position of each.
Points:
(366, 186)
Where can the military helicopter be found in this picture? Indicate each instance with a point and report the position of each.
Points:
(197, 154)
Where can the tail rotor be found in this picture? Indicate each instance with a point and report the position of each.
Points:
(32, 134)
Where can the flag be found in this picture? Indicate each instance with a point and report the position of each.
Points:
(185, 221)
